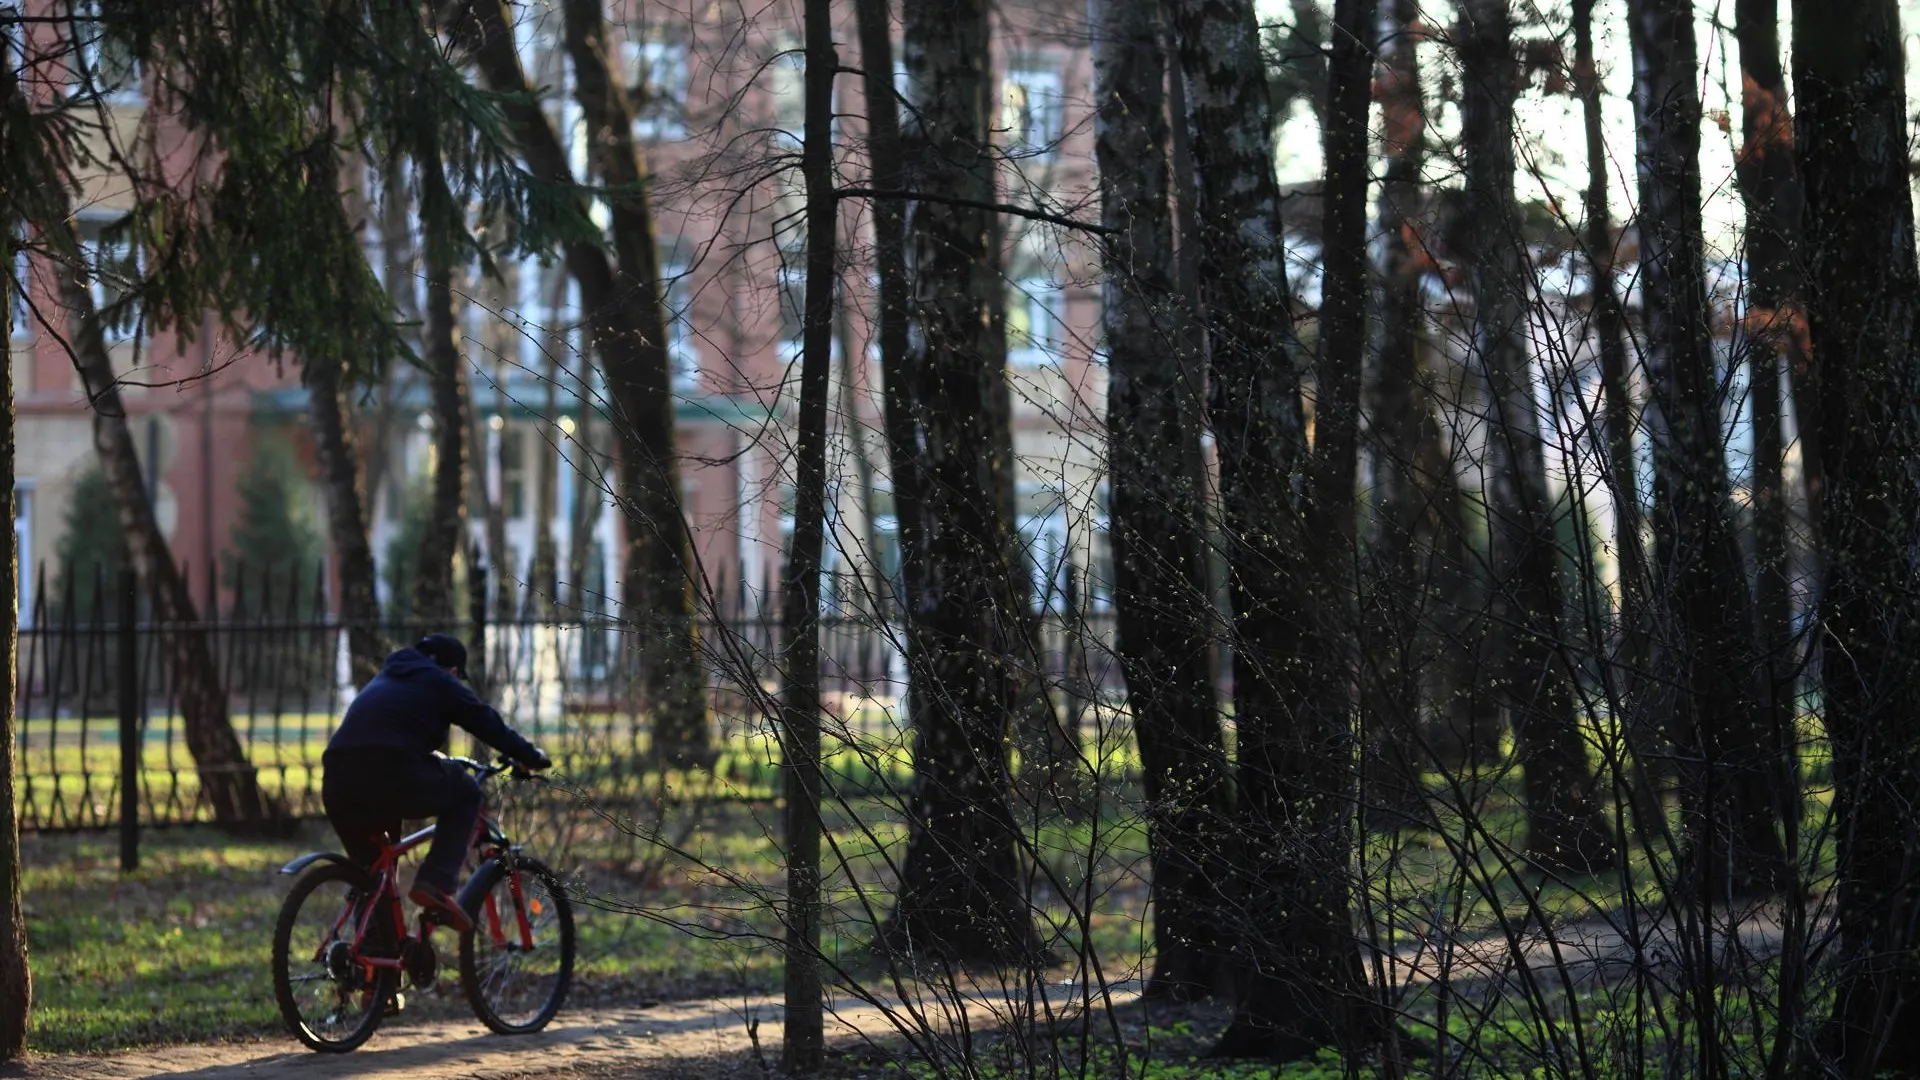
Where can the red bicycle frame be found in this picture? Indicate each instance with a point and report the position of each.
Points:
(487, 837)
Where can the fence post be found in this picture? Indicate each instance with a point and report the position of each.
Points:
(129, 721)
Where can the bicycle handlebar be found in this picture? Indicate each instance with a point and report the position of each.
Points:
(482, 771)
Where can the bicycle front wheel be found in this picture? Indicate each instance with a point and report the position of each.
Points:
(329, 999)
(517, 962)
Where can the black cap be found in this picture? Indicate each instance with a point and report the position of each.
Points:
(445, 650)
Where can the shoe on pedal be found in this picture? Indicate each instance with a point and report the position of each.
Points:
(394, 1005)
(440, 906)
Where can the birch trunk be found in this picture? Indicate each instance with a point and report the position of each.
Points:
(627, 327)
(228, 781)
(1564, 825)
(1302, 973)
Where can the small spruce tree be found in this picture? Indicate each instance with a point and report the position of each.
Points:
(275, 545)
(92, 551)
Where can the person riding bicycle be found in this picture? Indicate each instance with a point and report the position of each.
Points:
(382, 765)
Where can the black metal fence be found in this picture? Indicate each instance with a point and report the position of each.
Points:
(99, 713)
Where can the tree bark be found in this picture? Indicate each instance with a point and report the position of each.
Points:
(887, 162)
(659, 577)
(1863, 299)
(1162, 605)
(543, 572)
(442, 541)
(1419, 649)
(1729, 767)
(960, 893)
(1769, 181)
(1610, 327)
(1346, 291)
(1564, 825)
(803, 1040)
(336, 449)
(228, 781)
(16, 979)
(627, 327)
(1303, 978)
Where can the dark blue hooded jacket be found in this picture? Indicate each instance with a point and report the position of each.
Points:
(409, 706)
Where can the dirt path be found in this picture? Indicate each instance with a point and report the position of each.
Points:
(608, 1042)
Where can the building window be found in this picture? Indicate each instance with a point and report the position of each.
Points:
(112, 265)
(1032, 109)
(793, 289)
(676, 295)
(18, 308)
(13, 37)
(1036, 329)
(23, 550)
(103, 65)
(513, 472)
(655, 73)
(1042, 527)
(785, 81)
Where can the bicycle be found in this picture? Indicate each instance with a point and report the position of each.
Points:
(340, 945)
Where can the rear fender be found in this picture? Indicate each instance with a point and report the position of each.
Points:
(312, 857)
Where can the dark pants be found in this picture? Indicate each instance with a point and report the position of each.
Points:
(368, 792)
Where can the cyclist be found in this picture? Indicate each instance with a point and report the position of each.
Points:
(382, 765)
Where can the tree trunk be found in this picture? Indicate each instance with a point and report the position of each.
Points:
(853, 431)
(1728, 772)
(443, 540)
(802, 1043)
(1564, 825)
(1420, 650)
(1770, 184)
(1610, 327)
(630, 336)
(16, 980)
(543, 572)
(1163, 609)
(1346, 291)
(887, 162)
(391, 420)
(228, 781)
(1863, 296)
(960, 893)
(659, 577)
(1295, 939)
(335, 448)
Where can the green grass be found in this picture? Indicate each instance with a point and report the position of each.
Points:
(177, 951)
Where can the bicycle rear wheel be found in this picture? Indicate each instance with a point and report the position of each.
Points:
(517, 962)
(330, 1000)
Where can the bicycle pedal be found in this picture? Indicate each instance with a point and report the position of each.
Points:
(394, 1005)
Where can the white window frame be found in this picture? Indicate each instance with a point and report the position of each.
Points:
(87, 54)
(514, 436)
(13, 35)
(86, 221)
(676, 301)
(1032, 110)
(664, 69)
(1045, 545)
(1043, 342)
(23, 548)
(22, 271)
